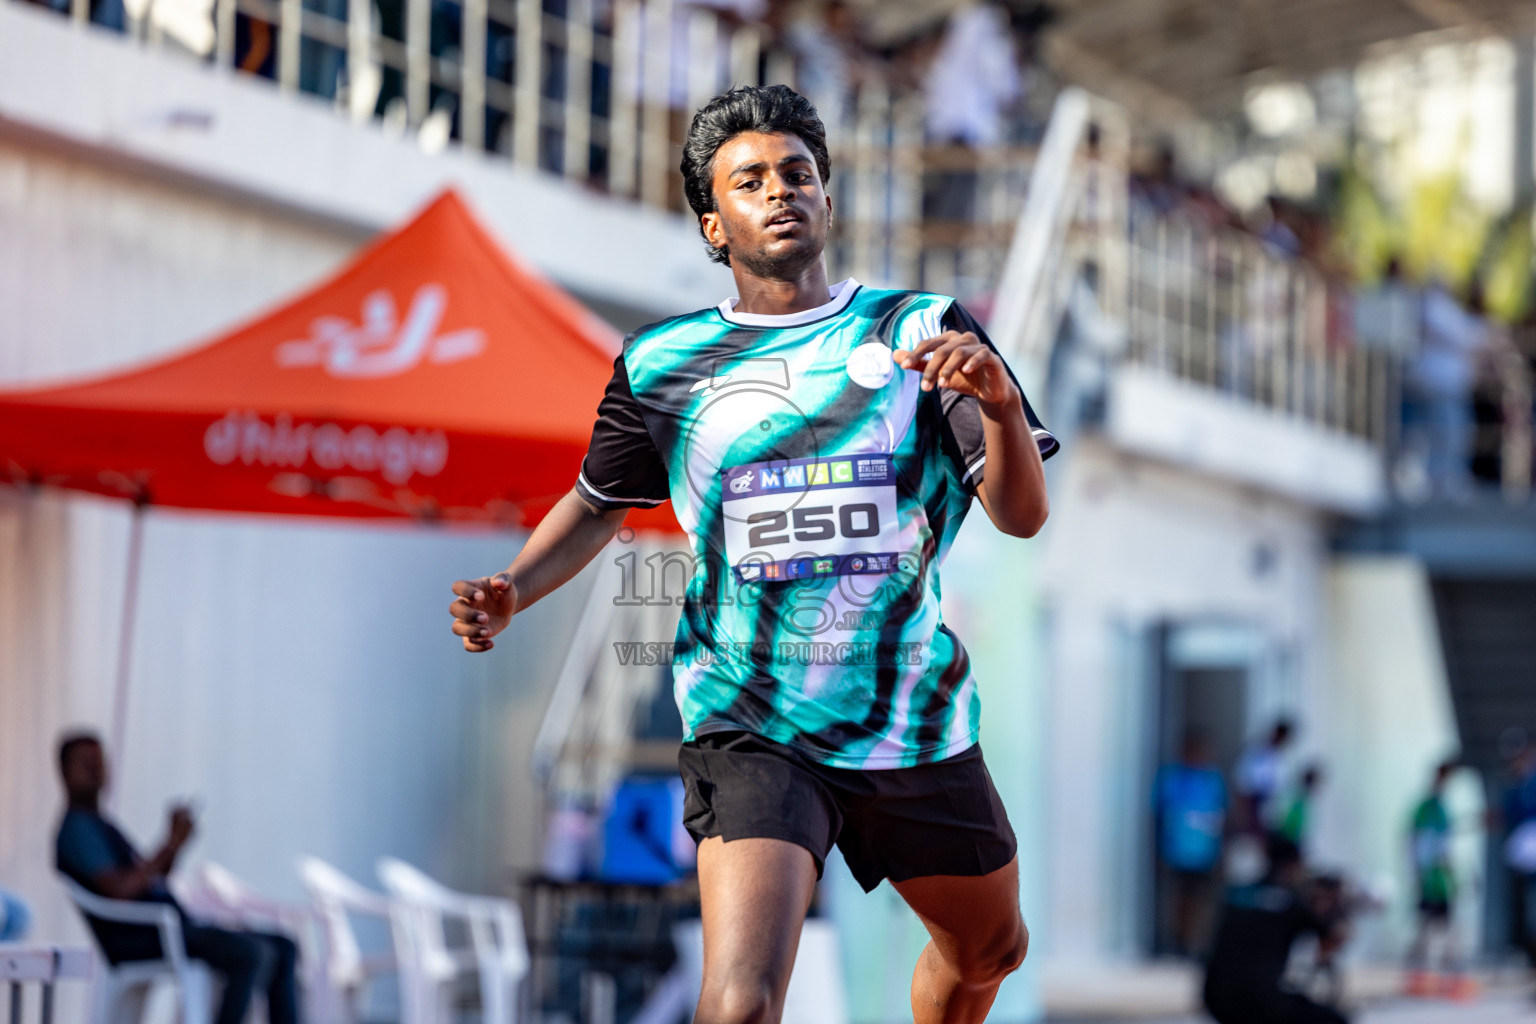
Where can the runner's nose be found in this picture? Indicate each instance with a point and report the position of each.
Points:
(779, 188)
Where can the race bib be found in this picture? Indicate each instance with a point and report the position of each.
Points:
(789, 519)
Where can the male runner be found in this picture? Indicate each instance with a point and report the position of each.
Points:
(820, 445)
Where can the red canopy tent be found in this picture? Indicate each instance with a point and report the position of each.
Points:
(432, 378)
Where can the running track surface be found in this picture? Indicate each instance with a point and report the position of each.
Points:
(1494, 1009)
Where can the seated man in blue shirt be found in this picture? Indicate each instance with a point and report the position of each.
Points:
(93, 852)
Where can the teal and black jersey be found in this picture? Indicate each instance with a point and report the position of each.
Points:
(821, 489)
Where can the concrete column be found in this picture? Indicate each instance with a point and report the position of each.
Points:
(1525, 111)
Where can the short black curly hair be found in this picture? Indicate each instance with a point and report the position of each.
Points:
(770, 109)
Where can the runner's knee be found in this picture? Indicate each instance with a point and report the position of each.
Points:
(997, 960)
(737, 1001)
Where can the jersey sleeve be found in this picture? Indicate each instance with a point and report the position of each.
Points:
(964, 437)
(623, 468)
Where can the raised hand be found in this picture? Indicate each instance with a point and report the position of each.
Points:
(181, 825)
(482, 609)
(961, 361)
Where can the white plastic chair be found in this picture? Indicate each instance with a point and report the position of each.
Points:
(344, 971)
(498, 949)
(122, 990)
(226, 898)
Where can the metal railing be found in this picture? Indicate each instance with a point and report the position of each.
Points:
(45, 967)
(590, 89)
(1210, 305)
(598, 91)
(915, 215)
(1216, 307)
(1508, 443)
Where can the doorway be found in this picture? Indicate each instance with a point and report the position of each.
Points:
(1206, 681)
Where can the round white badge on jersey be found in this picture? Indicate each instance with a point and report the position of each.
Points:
(870, 365)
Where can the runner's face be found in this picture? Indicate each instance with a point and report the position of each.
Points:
(771, 211)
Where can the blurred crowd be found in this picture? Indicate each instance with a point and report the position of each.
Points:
(1464, 375)
(1238, 884)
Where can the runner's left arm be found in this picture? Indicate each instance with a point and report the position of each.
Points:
(1003, 444)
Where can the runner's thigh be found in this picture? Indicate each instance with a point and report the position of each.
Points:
(754, 894)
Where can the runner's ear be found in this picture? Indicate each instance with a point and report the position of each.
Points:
(714, 234)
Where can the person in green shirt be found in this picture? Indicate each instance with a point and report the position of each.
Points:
(1429, 841)
(1296, 820)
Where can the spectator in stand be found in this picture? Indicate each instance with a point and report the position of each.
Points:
(1037, 86)
(1157, 188)
(970, 83)
(831, 63)
(1387, 314)
(1190, 806)
(1429, 846)
(1442, 377)
(1276, 230)
(93, 852)
(973, 79)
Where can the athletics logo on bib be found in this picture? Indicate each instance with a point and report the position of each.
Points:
(788, 519)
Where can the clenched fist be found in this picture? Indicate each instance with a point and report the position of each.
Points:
(962, 362)
(482, 609)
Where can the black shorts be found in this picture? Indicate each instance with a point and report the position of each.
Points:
(943, 818)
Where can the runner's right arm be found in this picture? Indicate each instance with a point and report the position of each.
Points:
(622, 470)
(560, 547)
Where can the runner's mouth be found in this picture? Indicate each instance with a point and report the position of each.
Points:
(785, 217)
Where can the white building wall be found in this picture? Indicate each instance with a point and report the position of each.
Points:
(1132, 543)
(103, 267)
(297, 677)
(1356, 657)
(1393, 722)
